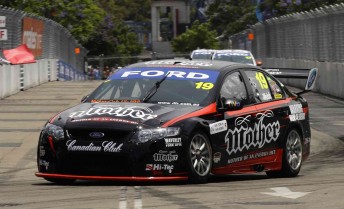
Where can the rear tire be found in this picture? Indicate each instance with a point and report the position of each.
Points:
(292, 156)
(199, 157)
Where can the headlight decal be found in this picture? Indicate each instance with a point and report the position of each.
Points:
(50, 140)
(145, 135)
(54, 131)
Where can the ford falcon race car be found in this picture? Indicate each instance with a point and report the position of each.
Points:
(236, 55)
(169, 120)
(202, 54)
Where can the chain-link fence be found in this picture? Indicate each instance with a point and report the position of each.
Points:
(314, 35)
(302, 40)
(46, 38)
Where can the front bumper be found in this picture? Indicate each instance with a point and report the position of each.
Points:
(135, 162)
(113, 178)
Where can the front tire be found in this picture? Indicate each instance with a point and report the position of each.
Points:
(292, 156)
(199, 156)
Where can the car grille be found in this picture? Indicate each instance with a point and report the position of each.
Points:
(84, 135)
(95, 164)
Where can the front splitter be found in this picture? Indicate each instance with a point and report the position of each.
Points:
(113, 178)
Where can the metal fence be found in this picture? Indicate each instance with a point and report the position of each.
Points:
(314, 35)
(56, 41)
(302, 40)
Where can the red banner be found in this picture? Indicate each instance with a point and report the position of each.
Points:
(19, 55)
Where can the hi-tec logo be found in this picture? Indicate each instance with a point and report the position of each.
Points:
(96, 135)
(158, 73)
(246, 137)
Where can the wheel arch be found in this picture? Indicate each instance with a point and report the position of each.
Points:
(194, 124)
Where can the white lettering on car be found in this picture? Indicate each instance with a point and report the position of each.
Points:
(171, 74)
(165, 156)
(106, 146)
(297, 113)
(116, 110)
(245, 137)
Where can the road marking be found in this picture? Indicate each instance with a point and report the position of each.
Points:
(123, 198)
(285, 192)
(137, 198)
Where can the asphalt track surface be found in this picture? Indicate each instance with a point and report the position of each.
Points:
(320, 184)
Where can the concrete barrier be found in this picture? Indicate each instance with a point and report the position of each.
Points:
(15, 78)
(9, 80)
(330, 77)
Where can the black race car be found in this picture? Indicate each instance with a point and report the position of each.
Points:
(168, 120)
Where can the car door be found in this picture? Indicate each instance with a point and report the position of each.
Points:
(268, 121)
(229, 131)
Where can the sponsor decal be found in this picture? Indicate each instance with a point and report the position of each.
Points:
(41, 151)
(232, 103)
(159, 167)
(116, 100)
(266, 96)
(159, 72)
(243, 137)
(295, 108)
(278, 96)
(217, 157)
(106, 146)
(229, 54)
(165, 156)
(44, 163)
(297, 113)
(104, 119)
(311, 79)
(179, 103)
(173, 142)
(252, 156)
(184, 63)
(96, 135)
(297, 116)
(218, 127)
(143, 113)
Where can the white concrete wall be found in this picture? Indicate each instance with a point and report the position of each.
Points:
(14, 78)
(9, 80)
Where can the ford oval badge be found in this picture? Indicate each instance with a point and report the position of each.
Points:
(96, 135)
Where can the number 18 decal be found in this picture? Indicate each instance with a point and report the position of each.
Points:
(204, 86)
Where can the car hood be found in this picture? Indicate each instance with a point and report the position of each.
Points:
(124, 116)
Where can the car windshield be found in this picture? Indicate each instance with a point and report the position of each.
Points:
(181, 86)
(244, 58)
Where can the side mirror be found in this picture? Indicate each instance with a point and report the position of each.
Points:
(259, 63)
(231, 104)
(84, 98)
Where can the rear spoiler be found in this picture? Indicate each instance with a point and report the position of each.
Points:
(309, 74)
(288, 72)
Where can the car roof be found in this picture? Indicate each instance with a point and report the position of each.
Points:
(204, 50)
(233, 50)
(192, 64)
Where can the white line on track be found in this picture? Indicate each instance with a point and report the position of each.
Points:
(123, 200)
